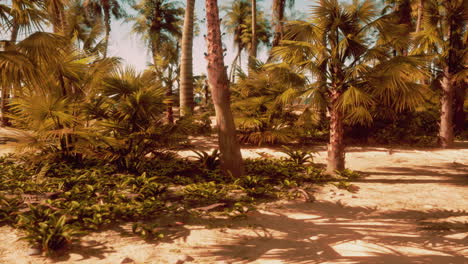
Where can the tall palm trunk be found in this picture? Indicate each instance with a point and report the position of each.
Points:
(278, 16)
(253, 48)
(447, 85)
(336, 153)
(107, 21)
(186, 65)
(231, 158)
(446, 110)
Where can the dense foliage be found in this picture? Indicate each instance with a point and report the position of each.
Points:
(56, 204)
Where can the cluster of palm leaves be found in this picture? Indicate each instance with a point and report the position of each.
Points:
(72, 105)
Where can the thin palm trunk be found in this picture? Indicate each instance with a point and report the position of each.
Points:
(186, 64)
(107, 21)
(234, 64)
(253, 48)
(231, 158)
(278, 16)
(336, 153)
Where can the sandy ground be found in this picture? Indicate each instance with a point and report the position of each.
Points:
(411, 208)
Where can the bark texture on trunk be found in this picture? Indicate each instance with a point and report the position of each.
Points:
(446, 110)
(231, 158)
(106, 9)
(336, 148)
(186, 64)
(253, 48)
(278, 16)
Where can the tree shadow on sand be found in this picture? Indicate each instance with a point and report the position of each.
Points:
(334, 233)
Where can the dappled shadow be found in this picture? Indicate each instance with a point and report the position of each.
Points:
(333, 232)
(450, 173)
(88, 250)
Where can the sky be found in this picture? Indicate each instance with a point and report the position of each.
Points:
(133, 51)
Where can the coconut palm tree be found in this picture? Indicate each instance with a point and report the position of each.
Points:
(444, 36)
(159, 23)
(105, 10)
(231, 158)
(279, 7)
(253, 45)
(238, 23)
(352, 71)
(24, 16)
(186, 65)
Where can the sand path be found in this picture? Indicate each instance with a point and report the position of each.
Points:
(412, 208)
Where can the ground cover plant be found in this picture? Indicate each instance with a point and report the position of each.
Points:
(55, 205)
(97, 140)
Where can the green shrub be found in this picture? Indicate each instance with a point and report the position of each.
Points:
(206, 191)
(47, 229)
(255, 186)
(298, 157)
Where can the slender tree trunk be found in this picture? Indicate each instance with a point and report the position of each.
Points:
(186, 65)
(234, 65)
(278, 16)
(446, 110)
(336, 153)
(253, 48)
(420, 15)
(231, 158)
(106, 9)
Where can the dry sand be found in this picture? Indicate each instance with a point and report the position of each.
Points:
(411, 208)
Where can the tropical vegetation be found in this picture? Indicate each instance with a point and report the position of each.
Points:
(98, 140)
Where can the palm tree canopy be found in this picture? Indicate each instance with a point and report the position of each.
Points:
(337, 48)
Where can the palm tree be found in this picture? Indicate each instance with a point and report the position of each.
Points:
(25, 15)
(279, 7)
(186, 65)
(238, 23)
(22, 15)
(56, 10)
(231, 158)
(444, 36)
(158, 22)
(104, 9)
(352, 71)
(253, 46)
